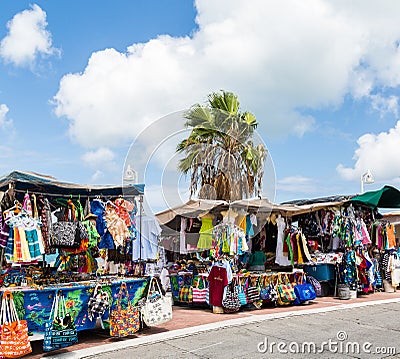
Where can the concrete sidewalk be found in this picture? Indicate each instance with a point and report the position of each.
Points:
(190, 320)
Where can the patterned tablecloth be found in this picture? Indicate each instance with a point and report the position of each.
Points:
(35, 305)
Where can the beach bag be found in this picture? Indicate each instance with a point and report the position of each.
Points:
(252, 292)
(268, 292)
(304, 291)
(316, 284)
(241, 292)
(60, 331)
(158, 310)
(230, 301)
(199, 294)
(68, 234)
(98, 303)
(186, 294)
(285, 291)
(15, 342)
(124, 322)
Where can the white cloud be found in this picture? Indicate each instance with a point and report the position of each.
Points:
(296, 184)
(4, 122)
(378, 153)
(279, 57)
(388, 105)
(96, 176)
(27, 38)
(101, 160)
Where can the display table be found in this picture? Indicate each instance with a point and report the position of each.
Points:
(35, 305)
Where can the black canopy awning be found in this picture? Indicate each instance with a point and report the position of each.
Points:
(38, 183)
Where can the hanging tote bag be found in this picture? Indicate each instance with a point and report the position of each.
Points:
(241, 293)
(304, 291)
(124, 322)
(15, 342)
(60, 331)
(316, 284)
(252, 292)
(158, 310)
(199, 294)
(285, 291)
(268, 292)
(66, 235)
(230, 301)
(98, 303)
(186, 294)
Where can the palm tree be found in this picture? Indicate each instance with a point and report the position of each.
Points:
(219, 152)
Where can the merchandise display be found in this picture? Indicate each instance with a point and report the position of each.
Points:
(72, 256)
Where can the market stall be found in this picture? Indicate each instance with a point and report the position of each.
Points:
(75, 252)
(329, 239)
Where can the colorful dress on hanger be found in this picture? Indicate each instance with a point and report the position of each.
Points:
(205, 239)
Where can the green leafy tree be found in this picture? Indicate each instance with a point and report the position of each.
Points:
(219, 153)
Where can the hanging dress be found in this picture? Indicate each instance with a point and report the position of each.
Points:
(205, 239)
(280, 258)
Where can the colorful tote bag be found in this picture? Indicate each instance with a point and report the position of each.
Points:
(60, 331)
(285, 291)
(268, 292)
(316, 284)
(15, 342)
(124, 322)
(158, 308)
(199, 294)
(186, 294)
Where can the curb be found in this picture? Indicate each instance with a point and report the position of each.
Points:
(185, 332)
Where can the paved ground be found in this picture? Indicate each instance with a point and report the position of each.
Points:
(355, 333)
(244, 330)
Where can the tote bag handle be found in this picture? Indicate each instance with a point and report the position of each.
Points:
(158, 287)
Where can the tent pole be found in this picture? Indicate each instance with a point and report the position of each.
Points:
(140, 226)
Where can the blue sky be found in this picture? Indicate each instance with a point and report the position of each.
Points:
(81, 80)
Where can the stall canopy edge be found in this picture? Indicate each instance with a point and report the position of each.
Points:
(386, 197)
(38, 183)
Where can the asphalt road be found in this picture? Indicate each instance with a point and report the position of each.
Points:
(365, 332)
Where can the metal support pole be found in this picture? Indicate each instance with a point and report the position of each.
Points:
(140, 226)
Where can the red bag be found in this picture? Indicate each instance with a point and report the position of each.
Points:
(14, 337)
(199, 295)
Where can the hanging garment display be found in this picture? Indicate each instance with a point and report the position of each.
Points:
(146, 247)
(205, 238)
(280, 258)
(217, 280)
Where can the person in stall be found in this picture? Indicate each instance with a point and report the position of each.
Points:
(257, 258)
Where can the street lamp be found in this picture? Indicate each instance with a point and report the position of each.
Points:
(130, 175)
(366, 178)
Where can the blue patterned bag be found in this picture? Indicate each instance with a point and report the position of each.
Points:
(60, 331)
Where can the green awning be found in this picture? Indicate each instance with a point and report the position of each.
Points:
(386, 197)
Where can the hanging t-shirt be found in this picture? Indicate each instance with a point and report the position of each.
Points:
(218, 280)
(150, 230)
